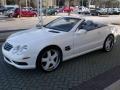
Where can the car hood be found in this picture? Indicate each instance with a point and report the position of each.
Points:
(33, 34)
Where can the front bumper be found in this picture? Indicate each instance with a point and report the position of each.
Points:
(21, 62)
(19, 66)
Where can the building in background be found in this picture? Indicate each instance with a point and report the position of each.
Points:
(60, 3)
(2, 2)
(46, 3)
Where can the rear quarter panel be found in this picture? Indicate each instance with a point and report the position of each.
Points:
(107, 30)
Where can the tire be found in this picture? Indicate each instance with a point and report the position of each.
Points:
(98, 14)
(10, 16)
(18, 16)
(109, 43)
(55, 13)
(35, 15)
(49, 59)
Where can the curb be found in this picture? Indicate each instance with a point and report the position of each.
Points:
(104, 15)
(116, 24)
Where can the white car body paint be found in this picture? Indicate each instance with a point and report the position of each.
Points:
(37, 40)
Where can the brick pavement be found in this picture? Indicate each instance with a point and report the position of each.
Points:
(104, 81)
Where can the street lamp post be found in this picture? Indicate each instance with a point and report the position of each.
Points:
(69, 8)
(29, 4)
(26, 3)
(82, 2)
(39, 10)
(3, 2)
(89, 3)
(41, 19)
(19, 1)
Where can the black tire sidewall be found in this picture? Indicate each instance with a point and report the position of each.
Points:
(104, 46)
(10, 16)
(18, 16)
(38, 63)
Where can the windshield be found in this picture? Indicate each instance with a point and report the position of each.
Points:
(63, 24)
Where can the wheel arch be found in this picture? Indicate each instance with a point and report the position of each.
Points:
(111, 34)
(107, 37)
(47, 47)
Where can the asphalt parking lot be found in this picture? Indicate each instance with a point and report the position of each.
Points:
(71, 74)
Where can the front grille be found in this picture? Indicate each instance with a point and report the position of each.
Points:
(8, 46)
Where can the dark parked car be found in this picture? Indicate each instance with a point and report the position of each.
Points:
(102, 11)
(47, 11)
(110, 11)
(116, 11)
(93, 12)
(50, 11)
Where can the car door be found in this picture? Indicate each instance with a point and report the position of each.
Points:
(22, 12)
(26, 13)
(29, 13)
(86, 37)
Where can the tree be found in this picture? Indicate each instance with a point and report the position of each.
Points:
(32, 3)
(84, 2)
(10, 2)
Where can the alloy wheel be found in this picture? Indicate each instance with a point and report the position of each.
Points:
(50, 60)
(109, 43)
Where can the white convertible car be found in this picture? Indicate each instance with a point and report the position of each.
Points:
(59, 40)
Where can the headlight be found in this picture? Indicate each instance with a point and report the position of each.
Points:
(16, 49)
(19, 49)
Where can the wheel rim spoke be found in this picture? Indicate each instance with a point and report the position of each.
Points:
(49, 54)
(51, 60)
(45, 59)
(47, 65)
(109, 43)
(53, 63)
(54, 56)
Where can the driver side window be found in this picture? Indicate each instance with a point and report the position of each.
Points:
(87, 25)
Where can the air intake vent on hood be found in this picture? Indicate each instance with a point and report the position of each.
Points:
(54, 31)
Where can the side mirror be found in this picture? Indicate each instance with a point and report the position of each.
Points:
(81, 31)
